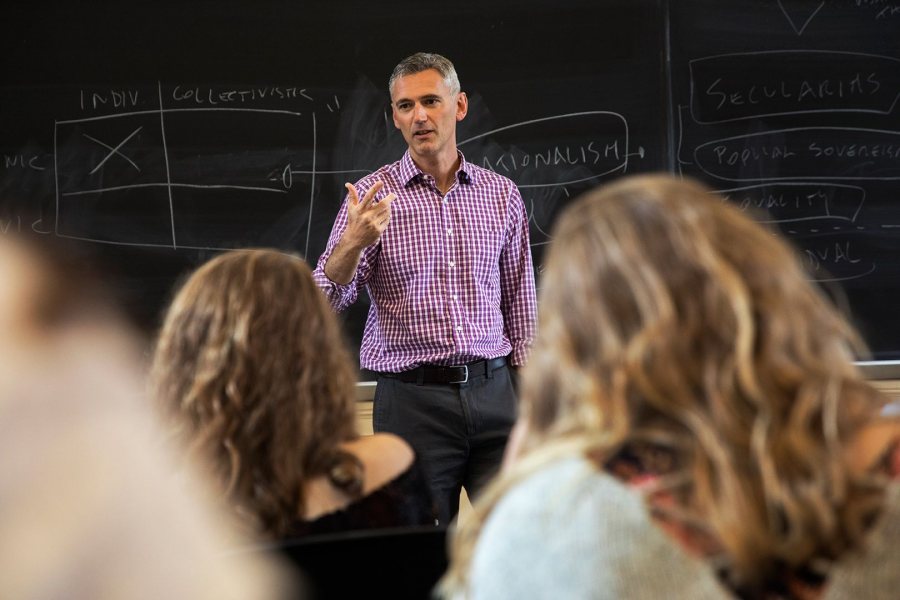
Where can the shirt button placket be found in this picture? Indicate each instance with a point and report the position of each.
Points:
(446, 222)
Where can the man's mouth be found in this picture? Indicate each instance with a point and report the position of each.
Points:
(422, 132)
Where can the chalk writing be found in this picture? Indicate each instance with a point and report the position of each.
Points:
(551, 157)
(796, 201)
(835, 261)
(804, 152)
(799, 17)
(212, 97)
(789, 109)
(23, 161)
(730, 87)
(859, 84)
(598, 146)
(17, 224)
(114, 151)
(125, 165)
(882, 9)
(123, 98)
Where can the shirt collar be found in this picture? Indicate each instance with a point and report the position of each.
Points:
(465, 174)
(409, 171)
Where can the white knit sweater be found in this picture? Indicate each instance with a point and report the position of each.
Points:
(570, 531)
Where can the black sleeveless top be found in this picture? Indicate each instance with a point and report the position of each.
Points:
(403, 501)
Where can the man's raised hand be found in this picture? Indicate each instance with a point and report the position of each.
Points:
(367, 219)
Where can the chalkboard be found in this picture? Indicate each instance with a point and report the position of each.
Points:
(789, 108)
(163, 133)
(160, 134)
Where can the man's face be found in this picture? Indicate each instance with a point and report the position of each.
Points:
(426, 111)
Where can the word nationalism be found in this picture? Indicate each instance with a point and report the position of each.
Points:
(581, 155)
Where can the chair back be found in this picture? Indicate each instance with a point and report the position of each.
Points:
(403, 562)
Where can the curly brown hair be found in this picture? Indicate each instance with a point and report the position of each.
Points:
(252, 366)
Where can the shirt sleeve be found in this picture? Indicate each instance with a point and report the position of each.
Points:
(518, 301)
(342, 296)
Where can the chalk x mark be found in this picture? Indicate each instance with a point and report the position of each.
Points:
(115, 150)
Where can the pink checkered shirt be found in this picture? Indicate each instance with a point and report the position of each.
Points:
(451, 280)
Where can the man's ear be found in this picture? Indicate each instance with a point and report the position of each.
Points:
(462, 106)
(394, 116)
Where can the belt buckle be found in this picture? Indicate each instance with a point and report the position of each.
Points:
(465, 370)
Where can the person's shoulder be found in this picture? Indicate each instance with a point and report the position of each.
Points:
(563, 489)
(588, 532)
(385, 456)
(389, 174)
(542, 535)
(493, 185)
(487, 176)
(871, 571)
(566, 504)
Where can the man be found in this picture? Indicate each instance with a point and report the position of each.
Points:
(441, 246)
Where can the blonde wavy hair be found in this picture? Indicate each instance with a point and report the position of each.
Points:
(252, 367)
(671, 321)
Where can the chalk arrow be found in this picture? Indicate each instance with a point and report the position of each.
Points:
(640, 152)
(799, 14)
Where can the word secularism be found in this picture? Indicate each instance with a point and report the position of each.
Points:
(797, 91)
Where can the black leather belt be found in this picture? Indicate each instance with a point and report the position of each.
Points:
(450, 373)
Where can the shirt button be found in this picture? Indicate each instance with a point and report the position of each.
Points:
(452, 264)
(449, 231)
(459, 327)
(455, 297)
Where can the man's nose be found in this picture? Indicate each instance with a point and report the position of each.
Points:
(419, 113)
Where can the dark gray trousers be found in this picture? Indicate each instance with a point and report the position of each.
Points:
(458, 431)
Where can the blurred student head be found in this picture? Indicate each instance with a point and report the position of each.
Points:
(91, 506)
(680, 339)
(252, 364)
(49, 288)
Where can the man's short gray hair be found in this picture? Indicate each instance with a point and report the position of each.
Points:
(422, 61)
